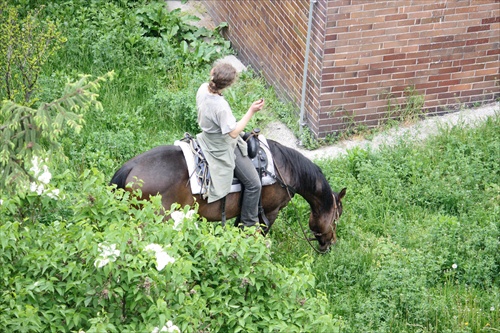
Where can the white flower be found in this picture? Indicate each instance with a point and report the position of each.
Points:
(153, 247)
(179, 216)
(36, 188)
(53, 194)
(1, 202)
(492, 308)
(43, 177)
(170, 328)
(162, 257)
(454, 266)
(46, 176)
(35, 168)
(108, 254)
(162, 260)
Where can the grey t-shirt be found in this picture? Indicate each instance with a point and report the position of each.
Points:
(214, 112)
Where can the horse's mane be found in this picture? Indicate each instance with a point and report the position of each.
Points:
(305, 176)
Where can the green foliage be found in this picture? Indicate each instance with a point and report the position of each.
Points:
(418, 246)
(110, 267)
(159, 60)
(248, 88)
(418, 243)
(409, 111)
(26, 43)
(28, 132)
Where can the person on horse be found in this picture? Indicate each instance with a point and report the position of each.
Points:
(223, 146)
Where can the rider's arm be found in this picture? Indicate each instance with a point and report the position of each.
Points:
(240, 125)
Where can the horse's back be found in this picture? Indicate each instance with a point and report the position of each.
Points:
(152, 167)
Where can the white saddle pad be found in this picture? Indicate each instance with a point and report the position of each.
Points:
(195, 181)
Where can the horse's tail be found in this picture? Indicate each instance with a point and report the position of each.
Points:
(120, 176)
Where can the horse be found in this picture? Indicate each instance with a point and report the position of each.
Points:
(163, 170)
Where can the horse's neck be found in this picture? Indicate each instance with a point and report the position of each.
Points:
(302, 175)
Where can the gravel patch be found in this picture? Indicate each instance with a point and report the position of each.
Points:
(417, 132)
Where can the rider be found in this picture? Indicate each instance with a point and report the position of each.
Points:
(224, 148)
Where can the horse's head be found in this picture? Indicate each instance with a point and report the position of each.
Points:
(327, 223)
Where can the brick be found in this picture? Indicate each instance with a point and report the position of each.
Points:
(405, 62)
(472, 67)
(355, 93)
(346, 88)
(483, 85)
(490, 20)
(440, 77)
(370, 72)
(404, 75)
(457, 17)
(471, 92)
(449, 70)
(408, 22)
(460, 87)
(441, 39)
(464, 62)
(434, 6)
(462, 74)
(492, 77)
(467, 9)
(436, 90)
(385, 50)
(356, 80)
(493, 64)
(477, 41)
(386, 11)
(446, 95)
(376, 5)
(478, 28)
(449, 82)
(429, 20)
(396, 17)
(418, 55)
(489, 58)
(393, 69)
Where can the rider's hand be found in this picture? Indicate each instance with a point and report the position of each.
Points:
(257, 105)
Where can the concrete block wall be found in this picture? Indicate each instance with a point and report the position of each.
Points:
(366, 56)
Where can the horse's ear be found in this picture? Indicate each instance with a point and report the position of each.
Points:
(342, 193)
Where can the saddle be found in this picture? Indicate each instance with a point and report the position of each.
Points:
(199, 171)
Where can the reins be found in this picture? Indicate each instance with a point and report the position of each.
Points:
(281, 181)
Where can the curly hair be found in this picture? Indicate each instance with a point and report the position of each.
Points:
(223, 75)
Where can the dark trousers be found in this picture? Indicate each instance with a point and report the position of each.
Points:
(248, 176)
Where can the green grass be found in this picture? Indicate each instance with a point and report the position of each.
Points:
(411, 214)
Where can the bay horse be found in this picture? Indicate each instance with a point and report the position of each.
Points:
(163, 170)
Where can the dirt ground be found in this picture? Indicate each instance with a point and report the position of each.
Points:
(416, 131)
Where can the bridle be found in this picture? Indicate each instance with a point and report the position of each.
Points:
(290, 190)
(335, 218)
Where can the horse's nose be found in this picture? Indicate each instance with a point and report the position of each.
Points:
(325, 247)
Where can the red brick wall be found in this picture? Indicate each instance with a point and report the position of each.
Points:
(270, 36)
(364, 54)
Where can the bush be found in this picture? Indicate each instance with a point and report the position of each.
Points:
(108, 267)
(418, 247)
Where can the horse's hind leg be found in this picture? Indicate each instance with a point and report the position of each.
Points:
(182, 196)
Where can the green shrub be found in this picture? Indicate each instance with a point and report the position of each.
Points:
(109, 267)
(418, 247)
